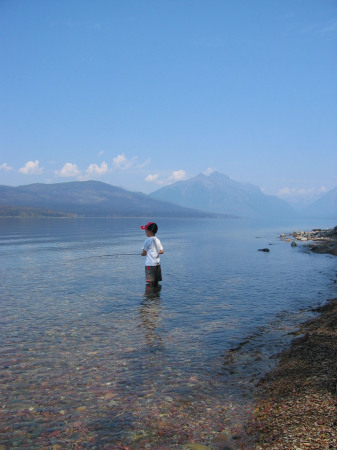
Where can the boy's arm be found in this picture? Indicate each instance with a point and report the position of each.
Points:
(144, 246)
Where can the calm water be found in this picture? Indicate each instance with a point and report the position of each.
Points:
(90, 359)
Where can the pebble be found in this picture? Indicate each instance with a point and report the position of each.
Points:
(81, 408)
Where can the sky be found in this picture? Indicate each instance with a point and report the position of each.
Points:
(143, 93)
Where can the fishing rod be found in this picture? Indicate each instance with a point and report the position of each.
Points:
(115, 255)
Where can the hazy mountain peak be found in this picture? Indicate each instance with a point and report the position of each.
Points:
(217, 192)
(325, 206)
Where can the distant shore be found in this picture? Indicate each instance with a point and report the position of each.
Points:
(296, 402)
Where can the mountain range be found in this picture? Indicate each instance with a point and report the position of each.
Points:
(214, 195)
(86, 199)
(218, 193)
(326, 206)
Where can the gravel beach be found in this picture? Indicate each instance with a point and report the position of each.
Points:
(296, 405)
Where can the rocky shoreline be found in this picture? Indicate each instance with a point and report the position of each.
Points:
(319, 241)
(296, 404)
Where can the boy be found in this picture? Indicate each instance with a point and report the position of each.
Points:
(152, 248)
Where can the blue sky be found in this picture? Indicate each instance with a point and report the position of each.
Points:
(143, 93)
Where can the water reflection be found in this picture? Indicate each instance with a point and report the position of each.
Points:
(150, 315)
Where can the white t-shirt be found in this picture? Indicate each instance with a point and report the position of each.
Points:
(152, 246)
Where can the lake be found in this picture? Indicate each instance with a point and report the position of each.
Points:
(90, 358)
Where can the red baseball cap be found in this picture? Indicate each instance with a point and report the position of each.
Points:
(144, 227)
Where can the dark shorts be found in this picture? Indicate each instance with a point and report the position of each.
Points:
(153, 274)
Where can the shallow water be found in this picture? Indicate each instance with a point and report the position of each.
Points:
(91, 359)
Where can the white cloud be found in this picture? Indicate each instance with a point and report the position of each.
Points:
(68, 170)
(208, 171)
(288, 192)
(144, 164)
(301, 197)
(177, 175)
(31, 168)
(5, 167)
(94, 169)
(153, 178)
(101, 153)
(285, 192)
(122, 162)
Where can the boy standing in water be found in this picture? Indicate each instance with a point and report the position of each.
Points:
(152, 248)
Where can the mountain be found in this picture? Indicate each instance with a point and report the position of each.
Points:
(218, 193)
(325, 206)
(89, 199)
(23, 211)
